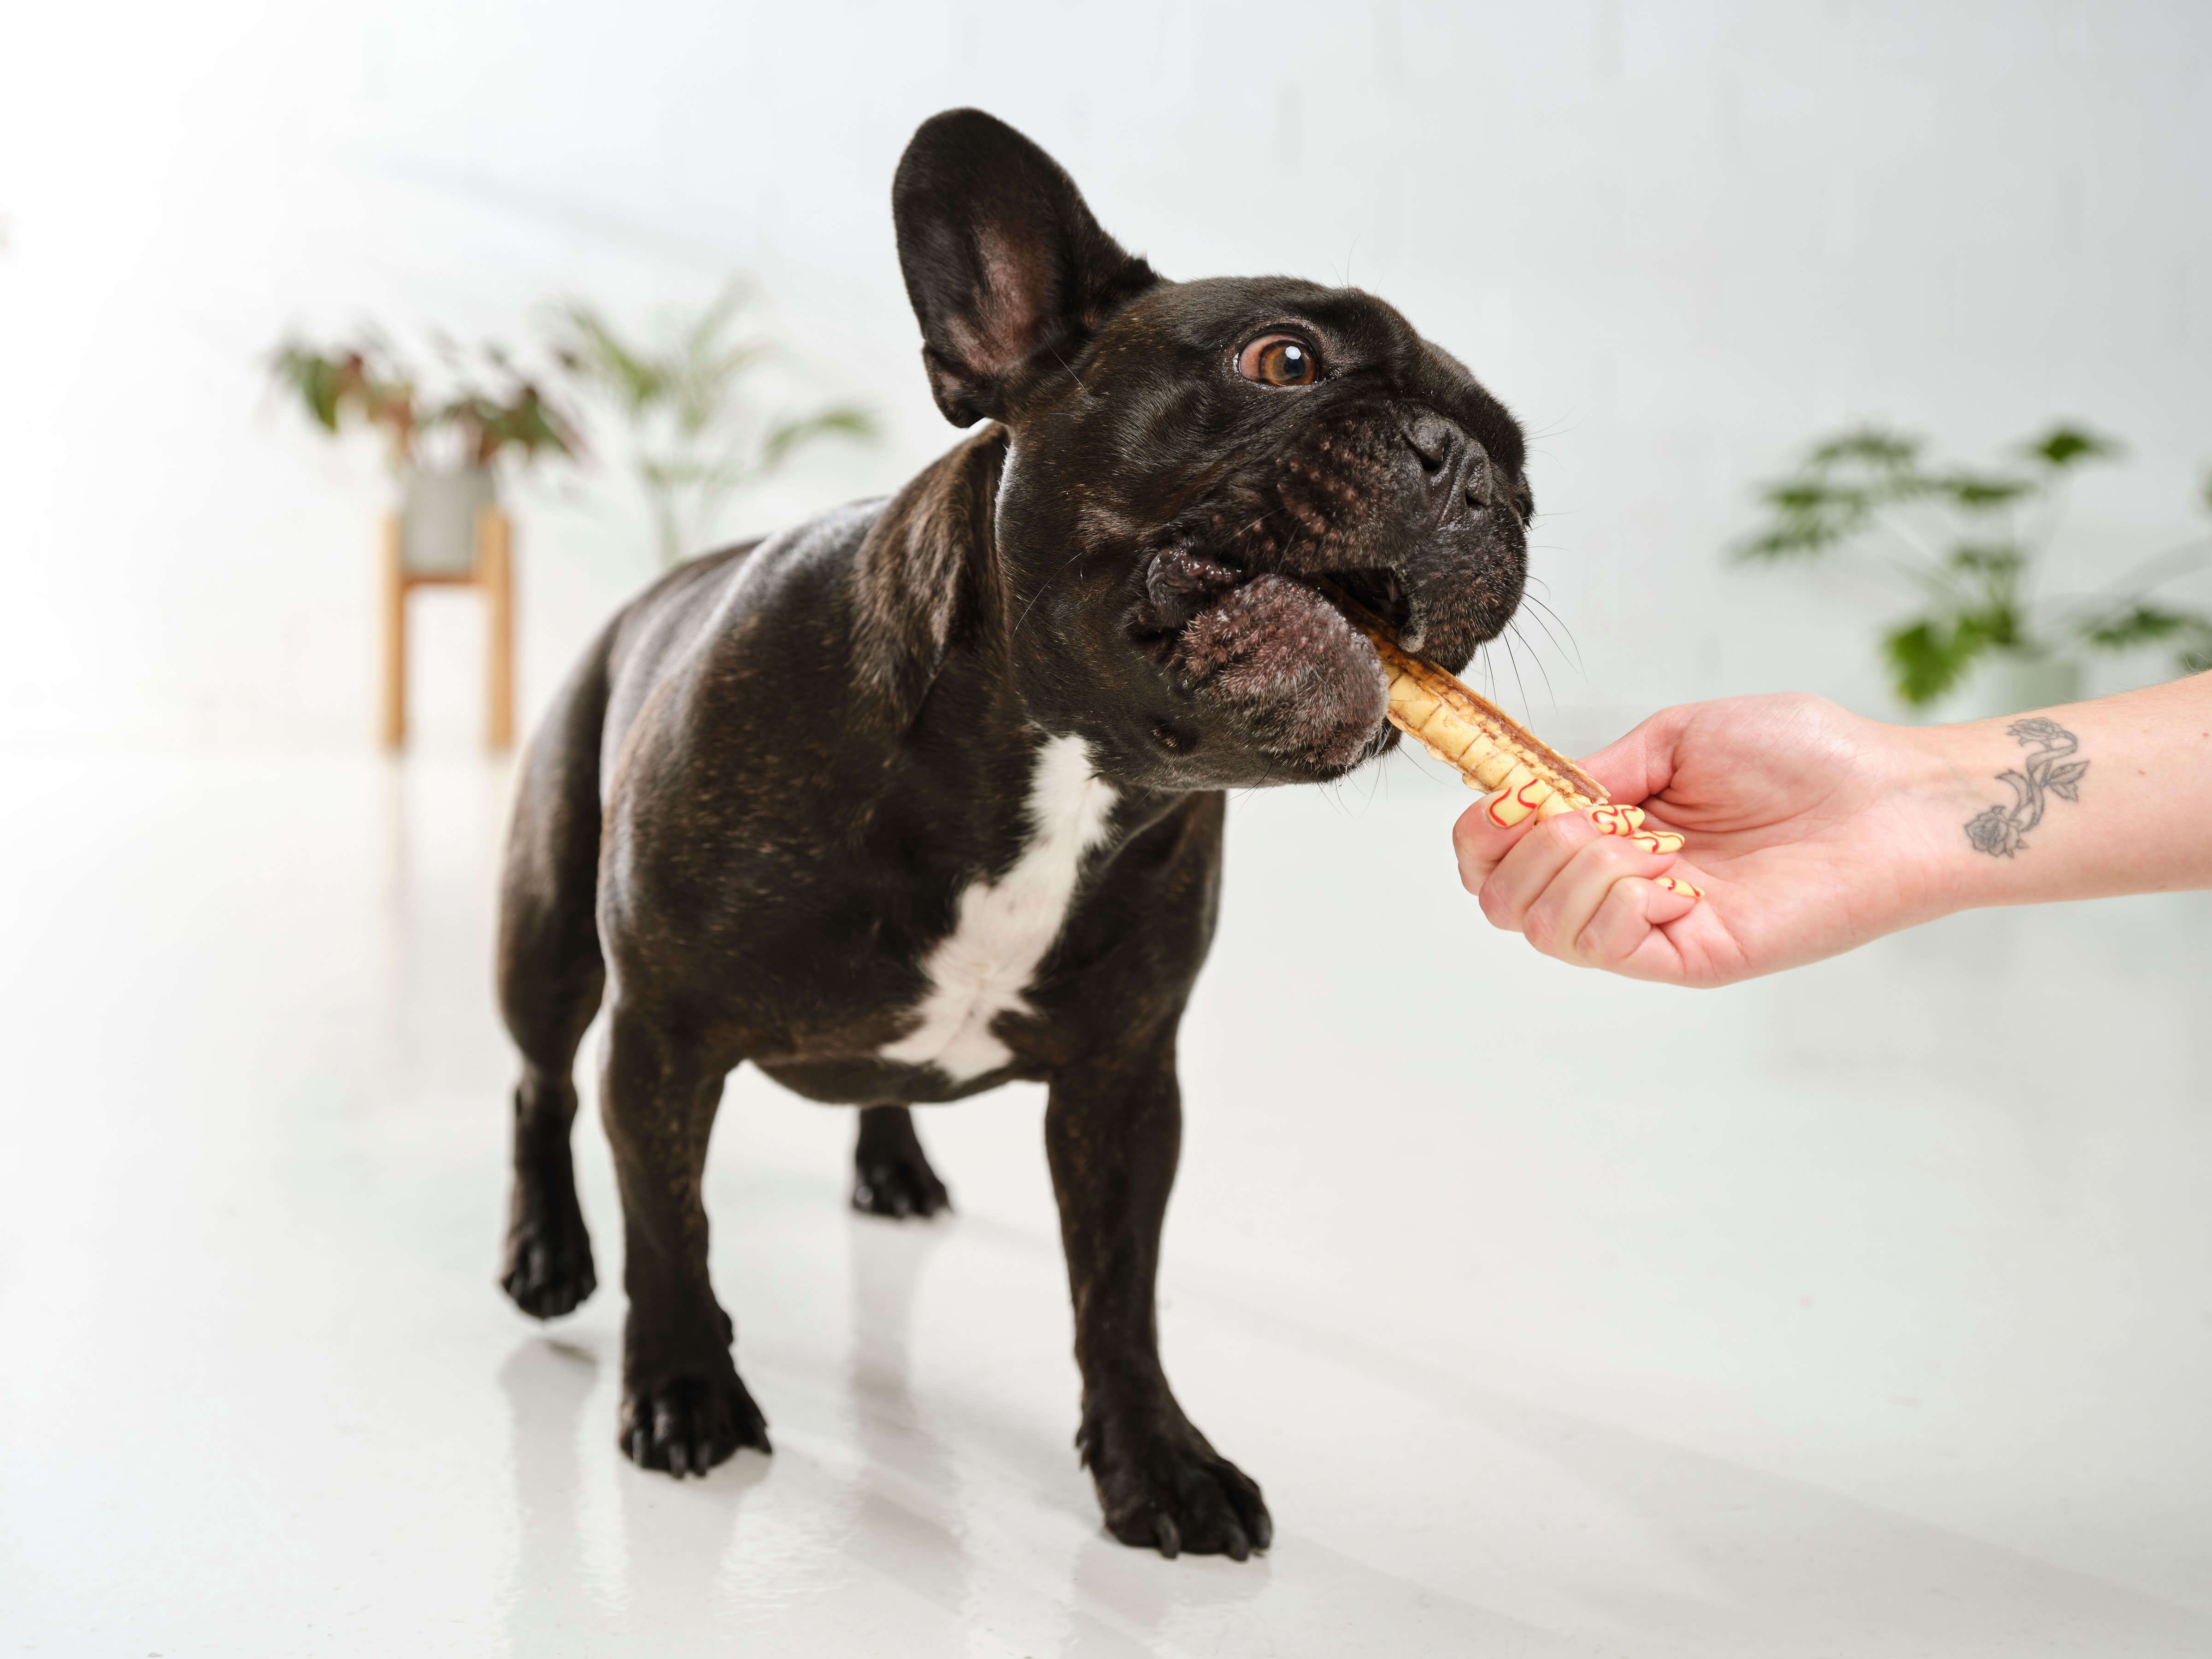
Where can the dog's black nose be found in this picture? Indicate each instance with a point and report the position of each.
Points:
(1454, 466)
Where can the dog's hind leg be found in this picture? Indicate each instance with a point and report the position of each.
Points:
(891, 1172)
(550, 976)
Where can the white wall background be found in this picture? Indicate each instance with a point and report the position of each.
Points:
(1678, 238)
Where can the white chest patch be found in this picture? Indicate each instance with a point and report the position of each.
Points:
(1004, 927)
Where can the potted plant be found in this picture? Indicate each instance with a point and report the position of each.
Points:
(444, 449)
(695, 435)
(1968, 541)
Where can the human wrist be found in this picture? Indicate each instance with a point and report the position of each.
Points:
(1935, 780)
(2002, 808)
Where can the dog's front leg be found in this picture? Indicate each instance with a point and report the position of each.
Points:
(684, 1407)
(1112, 1130)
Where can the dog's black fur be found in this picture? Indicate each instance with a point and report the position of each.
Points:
(752, 811)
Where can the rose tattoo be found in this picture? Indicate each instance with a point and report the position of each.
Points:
(2000, 831)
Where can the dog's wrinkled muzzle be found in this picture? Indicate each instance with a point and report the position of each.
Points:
(1277, 653)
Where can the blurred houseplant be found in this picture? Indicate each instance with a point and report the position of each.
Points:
(1969, 542)
(696, 436)
(444, 448)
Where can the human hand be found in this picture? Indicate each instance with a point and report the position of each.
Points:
(1809, 831)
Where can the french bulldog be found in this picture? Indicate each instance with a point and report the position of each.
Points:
(925, 795)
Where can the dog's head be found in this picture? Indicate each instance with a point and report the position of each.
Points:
(1190, 466)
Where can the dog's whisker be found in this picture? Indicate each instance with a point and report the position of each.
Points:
(1563, 628)
(1513, 658)
(1537, 657)
(1072, 374)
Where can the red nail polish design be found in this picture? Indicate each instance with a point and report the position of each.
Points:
(1616, 820)
(1511, 805)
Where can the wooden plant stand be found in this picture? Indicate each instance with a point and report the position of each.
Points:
(493, 572)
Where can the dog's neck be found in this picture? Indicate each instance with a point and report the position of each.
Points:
(931, 625)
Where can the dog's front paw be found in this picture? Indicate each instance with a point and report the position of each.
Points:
(1163, 1487)
(547, 1270)
(686, 1425)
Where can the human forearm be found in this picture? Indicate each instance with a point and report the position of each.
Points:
(1811, 831)
(2089, 801)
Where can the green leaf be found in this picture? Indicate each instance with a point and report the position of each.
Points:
(2140, 623)
(1809, 518)
(843, 421)
(2064, 446)
(1931, 656)
(1871, 446)
(1979, 492)
(1804, 496)
(589, 348)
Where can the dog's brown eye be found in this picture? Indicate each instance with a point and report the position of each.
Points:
(1277, 359)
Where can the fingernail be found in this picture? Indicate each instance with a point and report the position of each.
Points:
(1658, 840)
(1682, 887)
(1615, 820)
(1511, 805)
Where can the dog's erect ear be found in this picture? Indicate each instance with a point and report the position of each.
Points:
(1003, 261)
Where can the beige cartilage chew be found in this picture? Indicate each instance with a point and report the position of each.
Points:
(1489, 750)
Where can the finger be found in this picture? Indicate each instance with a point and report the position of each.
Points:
(1532, 864)
(1483, 835)
(1515, 880)
(1630, 913)
(1553, 920)
(1479, 844)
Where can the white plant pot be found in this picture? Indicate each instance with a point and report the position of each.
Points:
(438, 518)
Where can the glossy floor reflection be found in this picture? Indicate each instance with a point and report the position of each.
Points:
(1867, 1311)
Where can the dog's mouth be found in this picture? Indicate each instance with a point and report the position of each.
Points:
(1275, 654)
(1380, 594)
(1181, 585)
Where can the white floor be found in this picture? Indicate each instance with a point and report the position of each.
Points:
(1867, 1312)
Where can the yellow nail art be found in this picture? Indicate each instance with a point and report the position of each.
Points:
(1617, 820)
(1513, 804)
(1658, 840)
(1682, 887)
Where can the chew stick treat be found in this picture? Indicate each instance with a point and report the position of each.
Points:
(1489, 749)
